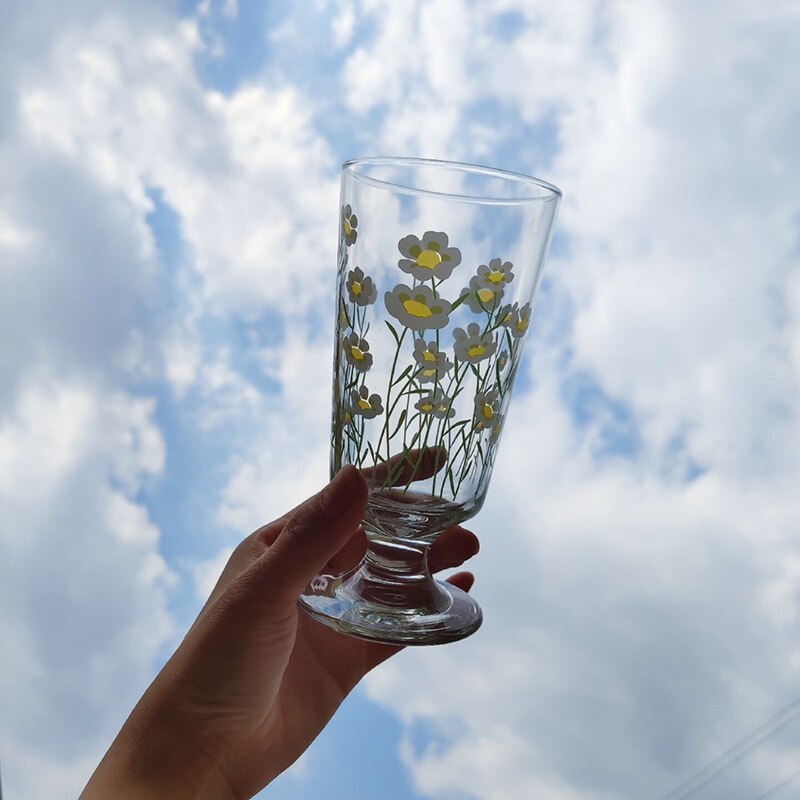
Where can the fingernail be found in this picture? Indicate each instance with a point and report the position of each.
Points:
(340, 494)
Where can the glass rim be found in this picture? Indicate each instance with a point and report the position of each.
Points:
(552, 193)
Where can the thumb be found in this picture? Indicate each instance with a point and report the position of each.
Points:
(315, 532)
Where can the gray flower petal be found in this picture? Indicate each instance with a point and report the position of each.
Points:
(429, 257)
(436, 404)
(433, 363)
(406, 244)
(417, 308)
(365, 404)
(355, 352)
(482, 298)
(349, 224)
(473, 347)
(361, 288)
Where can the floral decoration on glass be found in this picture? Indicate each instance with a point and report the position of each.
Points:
(419, 309)
(433, 362)
(356, 352)
(429, 257)
(364, 404)
(349, 225)
(360, 288)
(428, 369)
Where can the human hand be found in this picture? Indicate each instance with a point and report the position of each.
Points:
(255, 680)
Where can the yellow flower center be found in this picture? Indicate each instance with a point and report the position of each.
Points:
(487, 411)
(426, 407)
(485, 295)
(348, 228)
(356, 287)
(416, 309)
(357, 353)
(495, 277)
(364, 404)
(476, 350)
(522, 325)
(428, 356)
(428, 259)
(347, 416)
(429, 373)
(442, 408)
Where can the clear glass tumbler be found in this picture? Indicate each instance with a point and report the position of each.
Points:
(437, 269)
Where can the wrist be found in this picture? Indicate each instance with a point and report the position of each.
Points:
(156, 764)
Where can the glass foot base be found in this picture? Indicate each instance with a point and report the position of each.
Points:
(449, 615)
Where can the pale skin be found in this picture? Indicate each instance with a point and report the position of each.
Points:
(255, 680)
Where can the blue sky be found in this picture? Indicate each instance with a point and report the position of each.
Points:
(168, 212)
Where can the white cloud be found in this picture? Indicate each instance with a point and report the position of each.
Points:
(635, 620)
(633, 628)
(14, 237)
(182, 356)
(642, 617)
(415, 72)
(247, 174)
(432, 64)
(112, 109)
(282, 464)
(206, 573)
(653, 617)
(344, 21)
(85, 590)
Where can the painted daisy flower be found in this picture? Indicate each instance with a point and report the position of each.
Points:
(436, 404)
(355, 351)
(428, 257)
(486, 409)
(433, 361)
(349, 225)
(480, 297)
(518, 320)
(365, 404)
(497, 429)
(471, 346)
(417, 308)
(497, 273)
(360, 288)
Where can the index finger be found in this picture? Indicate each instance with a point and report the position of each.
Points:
(412, 465)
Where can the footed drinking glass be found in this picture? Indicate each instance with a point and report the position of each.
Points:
(438, 265)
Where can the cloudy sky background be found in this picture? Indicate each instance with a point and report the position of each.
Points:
(168, 213)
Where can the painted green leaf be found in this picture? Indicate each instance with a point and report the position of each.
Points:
(400, 421)
(394, 332)
(402, 374)
(458, 302)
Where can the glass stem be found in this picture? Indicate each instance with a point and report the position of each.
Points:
(395, 574)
